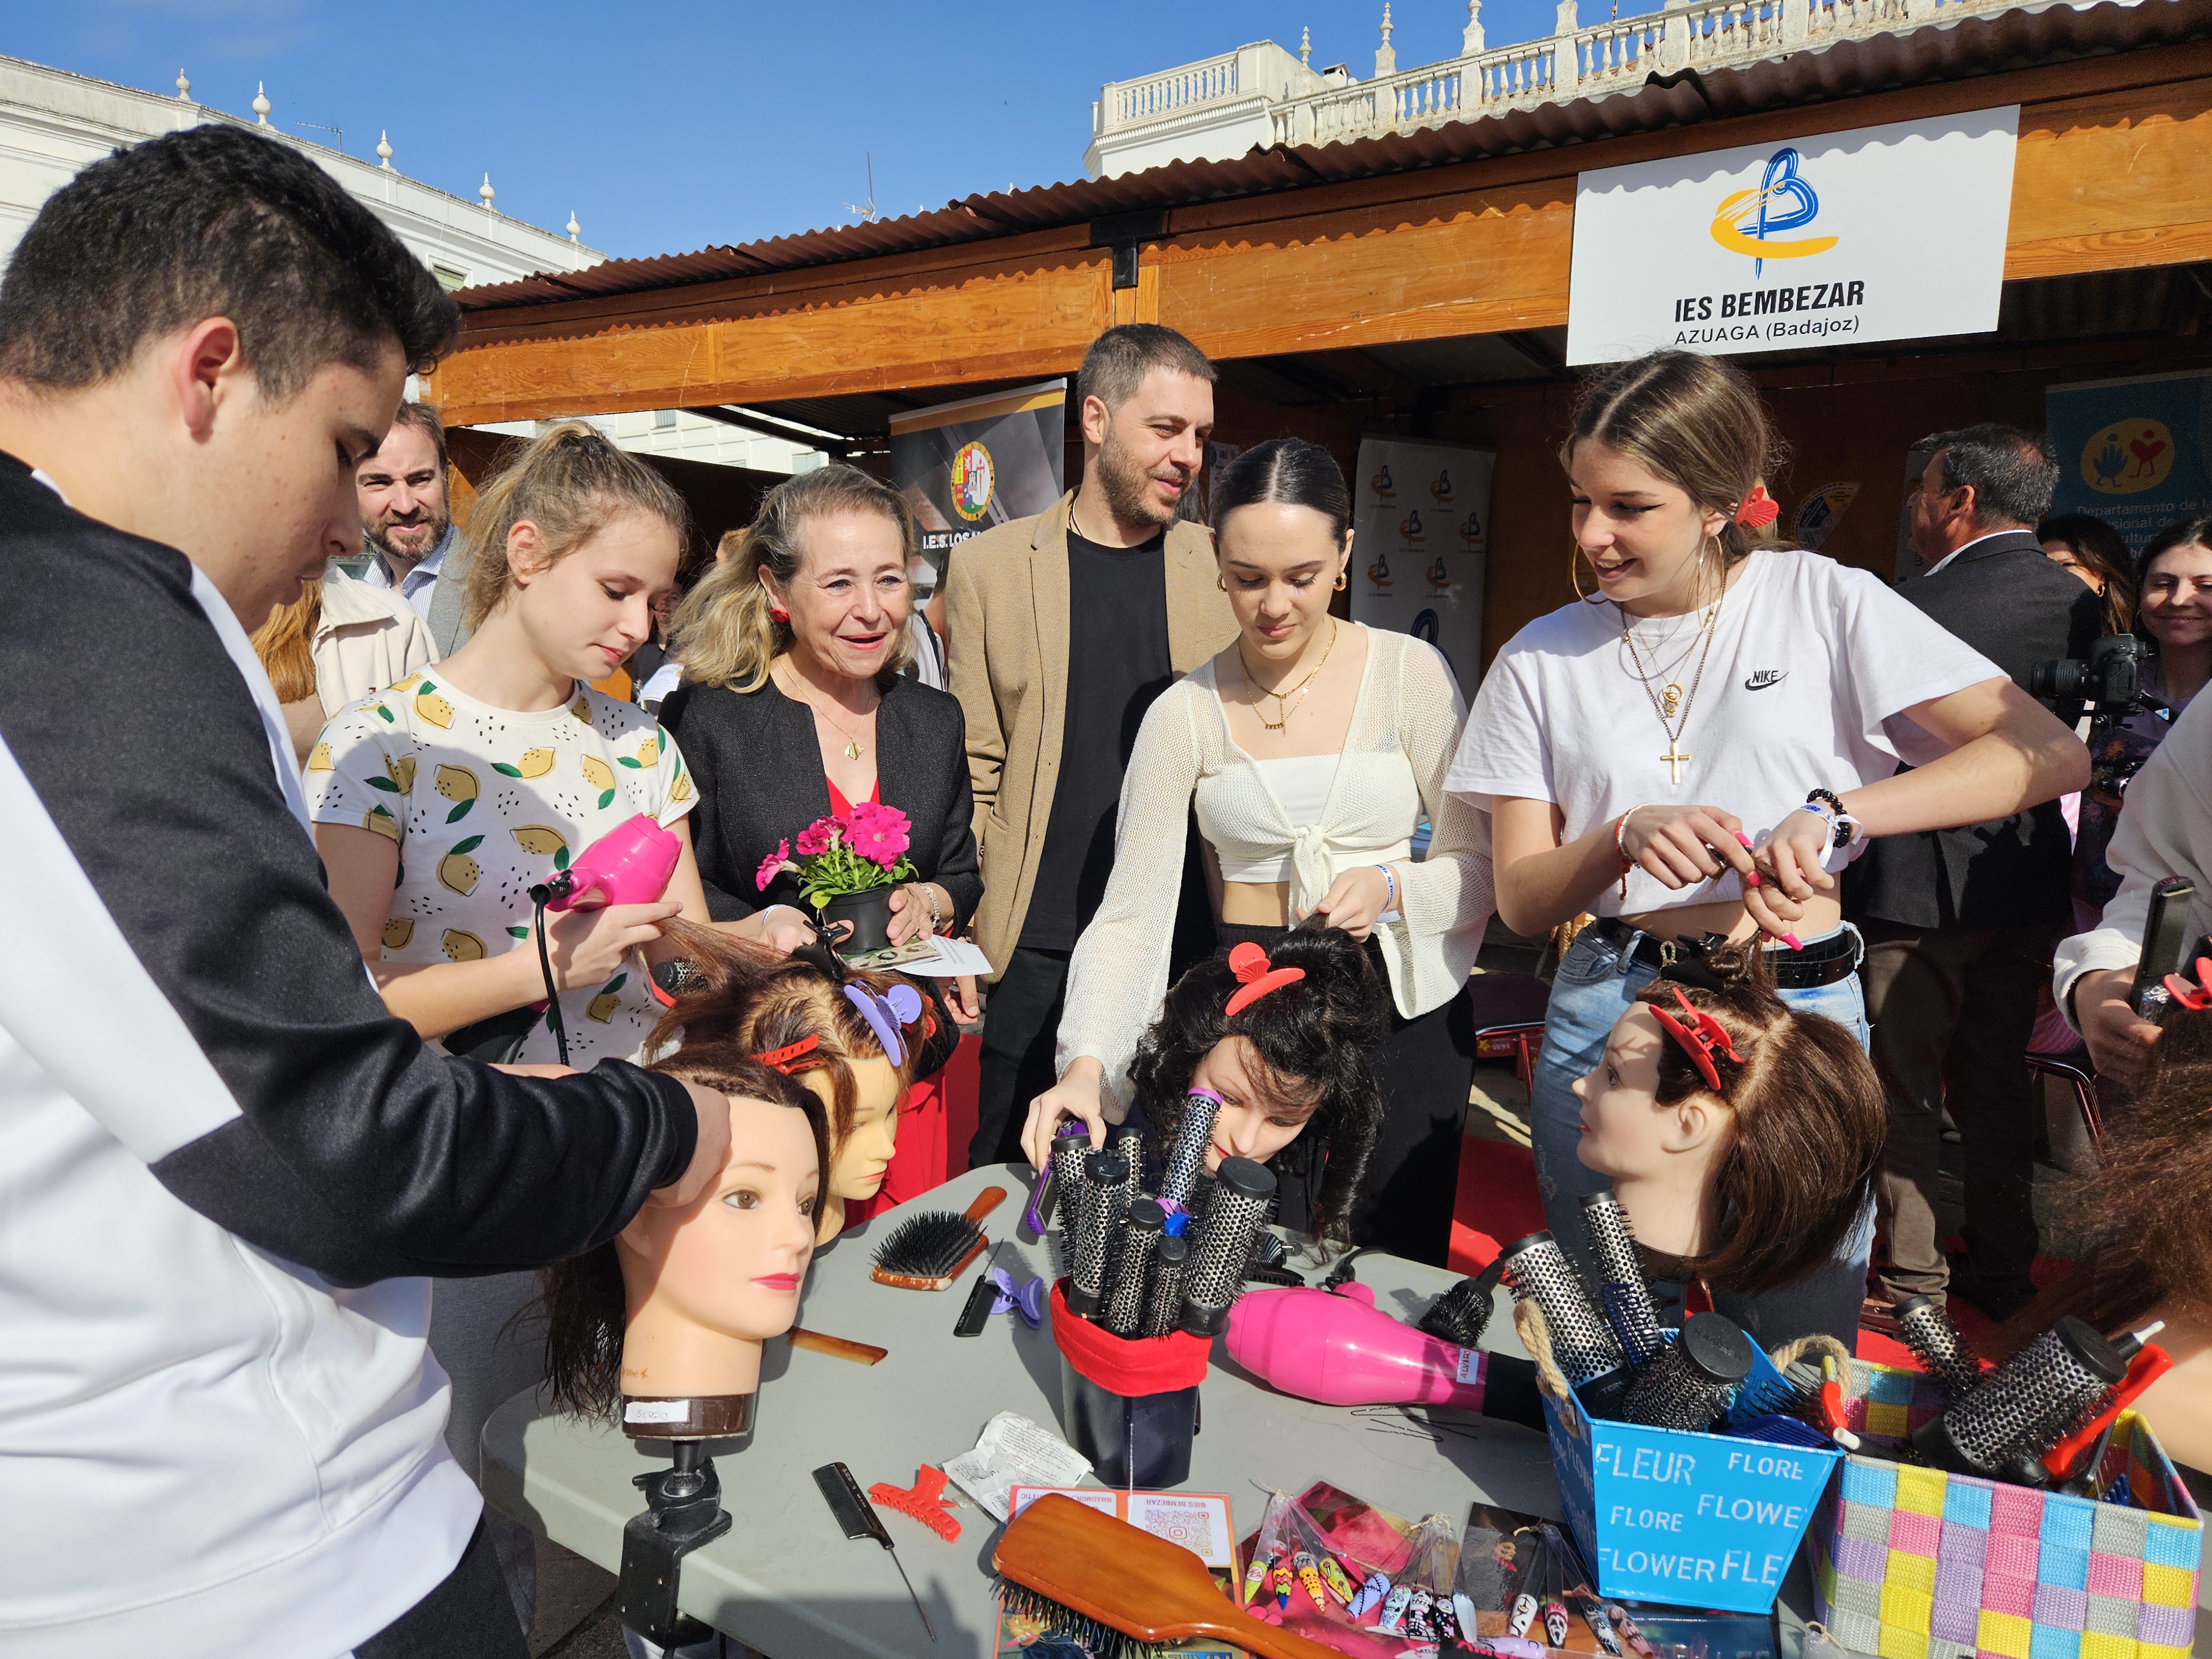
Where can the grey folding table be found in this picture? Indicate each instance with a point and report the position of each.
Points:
(785, 1579)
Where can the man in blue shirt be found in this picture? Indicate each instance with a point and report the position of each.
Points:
(404, 523)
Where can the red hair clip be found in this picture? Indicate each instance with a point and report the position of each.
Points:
(2195, 998)
(1249, 963)
(781, 1059)
(1760, 510)
(1700, 1039)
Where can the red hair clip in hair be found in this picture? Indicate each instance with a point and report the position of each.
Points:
(1698, 1038)
(781, 1059)
(1249, 963)
(2195, 998)
(1759, 510)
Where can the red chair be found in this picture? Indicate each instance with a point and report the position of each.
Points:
(1508, 1018)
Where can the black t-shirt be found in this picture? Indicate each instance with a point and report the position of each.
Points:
(1117, 663)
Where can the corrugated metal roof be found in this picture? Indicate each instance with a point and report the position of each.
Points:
(1973, 45)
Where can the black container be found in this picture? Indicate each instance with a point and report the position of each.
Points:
(869, 914)
(1132, 1440)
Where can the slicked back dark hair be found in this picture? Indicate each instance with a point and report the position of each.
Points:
(1118, 360)
(2012, 472)
(214, 221)
(1289, 472)
(1315, 1039)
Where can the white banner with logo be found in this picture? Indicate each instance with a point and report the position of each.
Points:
(1892, 233)
(1421, 545)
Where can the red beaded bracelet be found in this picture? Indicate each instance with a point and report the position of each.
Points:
(1620, 847)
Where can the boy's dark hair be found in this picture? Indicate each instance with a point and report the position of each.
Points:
(1118, 360)
(213, 221)
(1316, 1040)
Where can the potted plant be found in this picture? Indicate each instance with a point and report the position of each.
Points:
(846, 867)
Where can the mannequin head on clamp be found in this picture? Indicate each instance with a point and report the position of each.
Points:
(1742, 1136)
(856, 1040)
(676, 1307)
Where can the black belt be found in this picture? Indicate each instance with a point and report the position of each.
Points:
(1824, 962)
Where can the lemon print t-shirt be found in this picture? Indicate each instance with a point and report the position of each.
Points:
(485, 802)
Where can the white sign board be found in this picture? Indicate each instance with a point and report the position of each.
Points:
(1894, 233)
(1421, 545)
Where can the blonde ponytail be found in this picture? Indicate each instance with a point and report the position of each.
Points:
(571, 480)
(724, 633)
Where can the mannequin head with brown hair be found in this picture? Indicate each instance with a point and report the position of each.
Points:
(1755, 1176)
(824, 1025)
(677, 1303)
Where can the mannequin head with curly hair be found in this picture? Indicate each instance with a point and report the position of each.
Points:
(1754, 1176)
(823, 1025)
(1294, 1061)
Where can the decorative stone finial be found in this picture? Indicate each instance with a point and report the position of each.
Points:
(184, 88)
(384, 150)
(261, 104)
(1386, 60)
(575, 230)
(1470, 38)
(487, 192)
(1306, 48)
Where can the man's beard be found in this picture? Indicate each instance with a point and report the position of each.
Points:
(378, 542)
(1128, 492)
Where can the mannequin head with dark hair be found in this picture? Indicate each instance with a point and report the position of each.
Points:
(1294, 1059)
(1753, 1177)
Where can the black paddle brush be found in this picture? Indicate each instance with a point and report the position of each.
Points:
(928, 1251)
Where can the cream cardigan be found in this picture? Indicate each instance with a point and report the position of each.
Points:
(1407, 714)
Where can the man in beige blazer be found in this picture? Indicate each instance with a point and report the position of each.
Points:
(1062, 628)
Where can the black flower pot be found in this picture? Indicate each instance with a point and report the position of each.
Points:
(870, 915)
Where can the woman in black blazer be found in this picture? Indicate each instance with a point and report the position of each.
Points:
(792, 707)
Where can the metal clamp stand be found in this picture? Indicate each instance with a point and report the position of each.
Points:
(683, 1509)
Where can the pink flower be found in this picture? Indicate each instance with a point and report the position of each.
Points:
(772, 865)
(879, 834)
(819, 836)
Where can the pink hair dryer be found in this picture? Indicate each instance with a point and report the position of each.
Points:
(1337, 1348)
(630, 865)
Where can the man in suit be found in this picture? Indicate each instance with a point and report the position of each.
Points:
(1053, 710)
(1959, 923)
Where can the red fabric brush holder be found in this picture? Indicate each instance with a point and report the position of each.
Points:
(1128, 1404)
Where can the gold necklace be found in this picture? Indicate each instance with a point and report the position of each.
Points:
(852, 749)
(1665, 700)
(1299, 690)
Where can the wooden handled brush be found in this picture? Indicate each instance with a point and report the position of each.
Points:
(1064, 1560)
(928, 1251)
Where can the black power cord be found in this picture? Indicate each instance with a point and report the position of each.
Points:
(538, 895)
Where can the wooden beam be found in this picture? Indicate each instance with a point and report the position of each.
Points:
(2109, 174)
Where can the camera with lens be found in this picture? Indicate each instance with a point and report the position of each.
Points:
(2109, 679)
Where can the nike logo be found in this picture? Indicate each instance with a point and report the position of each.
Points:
(1764, 677)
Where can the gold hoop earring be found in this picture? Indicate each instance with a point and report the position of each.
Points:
(1343, 578)
(1575, 575)
(1221, 583)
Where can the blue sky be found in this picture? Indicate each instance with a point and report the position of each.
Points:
(671, 126)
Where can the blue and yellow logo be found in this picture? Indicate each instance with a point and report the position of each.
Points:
(1748, 222)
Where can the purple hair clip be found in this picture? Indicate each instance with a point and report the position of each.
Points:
(886, 1014)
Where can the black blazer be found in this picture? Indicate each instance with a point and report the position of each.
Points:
(758, 770)
(2002, 597)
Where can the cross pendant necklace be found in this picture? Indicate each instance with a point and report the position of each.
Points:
(1675, 761)
(1669, 703)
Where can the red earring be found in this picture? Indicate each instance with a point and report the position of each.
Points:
(779, 613)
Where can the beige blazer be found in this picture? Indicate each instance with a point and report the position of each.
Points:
(1006, 632)
(367, 638)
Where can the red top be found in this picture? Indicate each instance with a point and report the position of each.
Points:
(842, 808)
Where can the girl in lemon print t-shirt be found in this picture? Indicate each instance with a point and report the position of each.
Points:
(441, 801)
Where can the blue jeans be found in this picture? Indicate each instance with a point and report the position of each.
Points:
(1595, 985)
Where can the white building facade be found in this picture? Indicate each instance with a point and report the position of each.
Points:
(52, 123)
(1259, 96)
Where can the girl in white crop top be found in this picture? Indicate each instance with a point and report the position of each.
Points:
(1308, 749)
(1713, 687)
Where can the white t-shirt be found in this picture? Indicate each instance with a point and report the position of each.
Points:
(483, 802)
(1811, 667)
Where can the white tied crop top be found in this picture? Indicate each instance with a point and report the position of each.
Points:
(1372, 823)
(1299, 821)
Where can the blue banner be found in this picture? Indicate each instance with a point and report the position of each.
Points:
(2133, 453)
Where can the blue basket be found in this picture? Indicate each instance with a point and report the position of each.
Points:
(1695, 1520)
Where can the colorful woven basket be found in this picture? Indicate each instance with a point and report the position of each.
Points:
(1910, 1563)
